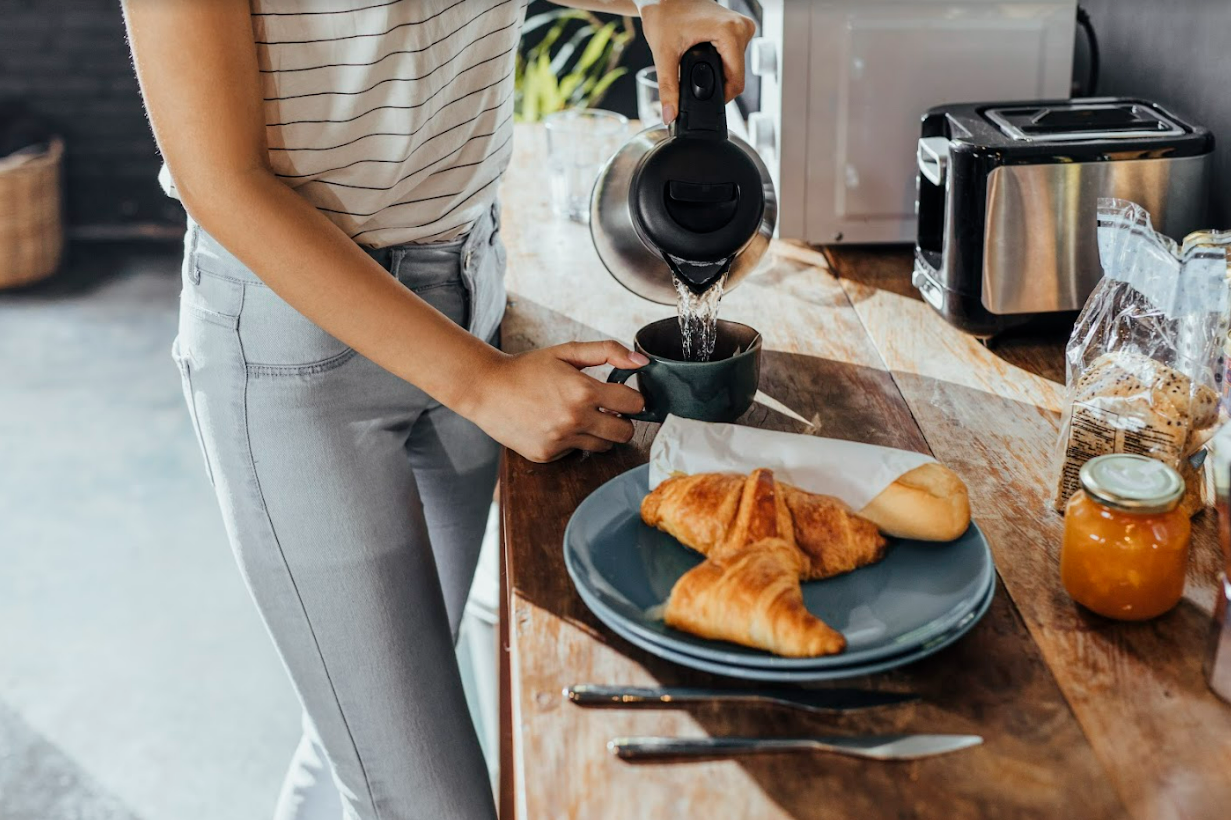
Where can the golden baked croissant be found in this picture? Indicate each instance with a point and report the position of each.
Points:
(751, 596)
(747, 591)
(717, 512)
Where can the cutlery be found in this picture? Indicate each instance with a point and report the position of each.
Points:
(872, 747)
(817, 700)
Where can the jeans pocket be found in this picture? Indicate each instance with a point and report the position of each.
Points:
(450, 298)
(185, 368)
(488, 297)
(279, 340)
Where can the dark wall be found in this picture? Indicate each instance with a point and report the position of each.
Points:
(1176, 54)
(68, 59)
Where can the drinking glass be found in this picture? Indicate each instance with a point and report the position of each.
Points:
(649, 107)
(579, 141)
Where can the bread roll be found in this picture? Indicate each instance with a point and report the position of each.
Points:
(929, 503)
(1127, 375)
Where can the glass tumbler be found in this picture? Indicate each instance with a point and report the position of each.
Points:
(579, 142)
(649, 106)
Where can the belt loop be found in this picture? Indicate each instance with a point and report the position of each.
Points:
(491, 239)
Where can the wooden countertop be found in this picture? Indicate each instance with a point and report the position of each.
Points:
(1083, 718)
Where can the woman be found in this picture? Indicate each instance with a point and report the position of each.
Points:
(342, 295)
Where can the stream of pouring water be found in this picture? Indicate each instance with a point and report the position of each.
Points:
(699, 318)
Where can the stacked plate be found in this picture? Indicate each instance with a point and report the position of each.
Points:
(920, 598)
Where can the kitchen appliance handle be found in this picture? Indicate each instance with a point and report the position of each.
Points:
(703, 112)
(933, 159)
(620, 375)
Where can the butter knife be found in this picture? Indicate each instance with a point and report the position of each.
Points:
(816, 700)
(872, 747)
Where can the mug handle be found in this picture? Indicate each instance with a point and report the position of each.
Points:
(619, 375)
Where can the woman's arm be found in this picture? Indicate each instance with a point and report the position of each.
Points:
(626, 7)
(674, 26)
(196, 62)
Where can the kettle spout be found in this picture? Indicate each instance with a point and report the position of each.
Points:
(698, 276)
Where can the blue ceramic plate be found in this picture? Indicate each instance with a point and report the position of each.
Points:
(920, 592)
(801, 676)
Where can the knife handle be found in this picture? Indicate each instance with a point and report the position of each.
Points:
(589, 694)
(874, 747)
(652, 748)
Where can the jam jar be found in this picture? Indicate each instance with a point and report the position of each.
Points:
(1125, 547)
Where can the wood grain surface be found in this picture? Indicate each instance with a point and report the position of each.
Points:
(1083, 718)
(992, 415)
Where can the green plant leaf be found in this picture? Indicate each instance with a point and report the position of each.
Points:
(600, 88)
(549, 40)
(568, 85)
(569, 48)
(539, 20)
(549, 88)
(530, 95)
(595, 48)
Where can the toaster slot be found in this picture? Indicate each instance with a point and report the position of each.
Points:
(1092, 118)
(932, 157)
(1082, 120)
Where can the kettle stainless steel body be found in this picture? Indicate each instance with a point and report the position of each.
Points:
(688, 200)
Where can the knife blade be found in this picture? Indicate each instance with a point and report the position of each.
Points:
(870, 747)
(816, 700)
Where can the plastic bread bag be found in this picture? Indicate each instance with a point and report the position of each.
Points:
(1145, 363)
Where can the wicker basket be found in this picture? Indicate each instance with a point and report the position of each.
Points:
(31, 231)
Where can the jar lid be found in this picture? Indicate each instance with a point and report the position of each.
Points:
(1132, 483)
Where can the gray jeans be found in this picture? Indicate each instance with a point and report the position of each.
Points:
(355, 505)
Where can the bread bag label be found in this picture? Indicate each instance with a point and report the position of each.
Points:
(1096, 430)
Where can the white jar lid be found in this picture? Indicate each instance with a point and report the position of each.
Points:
(1132, 483)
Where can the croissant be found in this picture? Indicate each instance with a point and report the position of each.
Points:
(714, 513)
(748, 589)
(752, 597)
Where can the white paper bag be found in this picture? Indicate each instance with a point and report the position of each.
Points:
(853, 472)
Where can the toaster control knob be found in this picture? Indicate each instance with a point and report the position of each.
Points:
(763, 57)
(761, 133)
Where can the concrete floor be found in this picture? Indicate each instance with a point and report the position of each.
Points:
(136, 679)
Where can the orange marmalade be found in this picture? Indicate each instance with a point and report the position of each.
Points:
(1125, 545)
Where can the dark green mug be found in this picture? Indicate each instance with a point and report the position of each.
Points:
(718, 390)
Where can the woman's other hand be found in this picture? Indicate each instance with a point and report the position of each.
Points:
(542, 406)
(674, 26)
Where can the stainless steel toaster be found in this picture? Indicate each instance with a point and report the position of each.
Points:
(1008, 195)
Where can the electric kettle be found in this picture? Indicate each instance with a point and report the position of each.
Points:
(686, 201)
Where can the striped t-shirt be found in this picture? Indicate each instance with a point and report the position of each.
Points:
(392, 117)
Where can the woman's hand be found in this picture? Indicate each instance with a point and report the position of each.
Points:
(542, 406)
(674, 26)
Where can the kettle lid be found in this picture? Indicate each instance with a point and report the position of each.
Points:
(696, 195)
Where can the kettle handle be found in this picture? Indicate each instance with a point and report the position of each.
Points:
(703, 111)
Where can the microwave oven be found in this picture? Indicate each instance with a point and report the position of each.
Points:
(837, 89)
